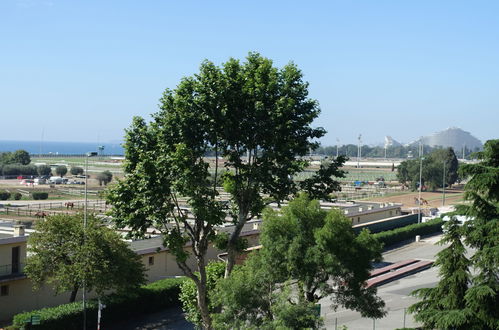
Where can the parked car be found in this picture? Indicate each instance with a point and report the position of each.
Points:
(55, 180)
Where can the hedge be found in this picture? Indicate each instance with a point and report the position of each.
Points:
(401, 234)
(149, 298)
(4, 195)
(18, 169)
(40, 195)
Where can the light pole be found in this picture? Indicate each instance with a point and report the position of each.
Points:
(337, 147)
(359, 151)
(88, 154)
(420, 177)
(443, 187)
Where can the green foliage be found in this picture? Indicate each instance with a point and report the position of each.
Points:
(16, 169)
(76, 170)
(252, 299)
(401, 234)
(39, 195)
(482, 234)
(433, 169)
(20, 157)
(17, 196)
(4, 195)
(321, 251)
(254, 115)
(188, 293)
(104, 177)
(146, 299)
(61, 170)
(44, 170)
(444, 307)
(59, 255)
(465, 299)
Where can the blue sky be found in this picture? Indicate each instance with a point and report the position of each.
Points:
(79, 70)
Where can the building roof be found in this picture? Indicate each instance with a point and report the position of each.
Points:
(155, 244)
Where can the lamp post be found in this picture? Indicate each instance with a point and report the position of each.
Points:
(359, 150)
(88, 154)
(443, 186)
(420, 177)
(337, 146)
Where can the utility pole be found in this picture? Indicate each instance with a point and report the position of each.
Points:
(337, 147)
(420, 177)
(359, 151)
(443, 187)
(84, 298)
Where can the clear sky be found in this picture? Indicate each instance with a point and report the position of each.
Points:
(79, 70)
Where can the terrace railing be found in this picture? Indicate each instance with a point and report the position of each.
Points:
(11, 270)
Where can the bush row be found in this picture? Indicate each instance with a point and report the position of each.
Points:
(149, 298)
(4, 195)
(17, 169)
(40, 195)
(401, 234)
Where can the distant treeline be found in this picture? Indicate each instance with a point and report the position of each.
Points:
(350, 150)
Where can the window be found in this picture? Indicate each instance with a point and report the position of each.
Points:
(390, 213)
(151, 261)
(4, 290)
(358, 219)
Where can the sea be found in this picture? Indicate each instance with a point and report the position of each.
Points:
(62, 148)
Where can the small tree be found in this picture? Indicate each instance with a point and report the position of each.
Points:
(104, 177)
(20, 157)
(62, 254)
(76, 170)
(44, 170)
(61, 170)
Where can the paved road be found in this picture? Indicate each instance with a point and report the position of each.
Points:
(395, 294)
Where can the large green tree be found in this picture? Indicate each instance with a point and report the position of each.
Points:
(465, 299)
(254, 298)
(62, 254)
(434, 164)
(17, 157)
(307, 254)
(482, 234)
(320, 250)
(444, 306)
(256, 120)
(21, 157)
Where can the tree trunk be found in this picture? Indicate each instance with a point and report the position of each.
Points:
(72, 298)
(202, 295)
(232, 244)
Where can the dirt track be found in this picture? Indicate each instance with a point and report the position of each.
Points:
(434, 199)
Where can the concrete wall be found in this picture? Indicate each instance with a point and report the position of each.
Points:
(6, 254)
(164, 264)
(379, 214)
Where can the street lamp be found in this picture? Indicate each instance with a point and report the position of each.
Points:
(420, 177)
(443, 186)
(88, 155)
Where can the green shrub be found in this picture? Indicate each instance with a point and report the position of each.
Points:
(401, 234)
(17, 196)
(149, 298)
(4, 195)
(40, 195)
(18, 169)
